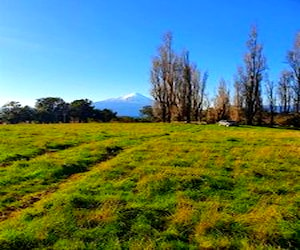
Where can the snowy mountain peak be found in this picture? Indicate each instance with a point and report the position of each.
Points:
(137, 97)
(127, 105)
(131, 95)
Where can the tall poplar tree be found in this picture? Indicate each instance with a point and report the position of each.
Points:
(251, 77)
(293, 59)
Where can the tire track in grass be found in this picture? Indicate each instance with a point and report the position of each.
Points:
(49, 147)
(110, 153)
(15, 172)
(27, 201)
(97, 152)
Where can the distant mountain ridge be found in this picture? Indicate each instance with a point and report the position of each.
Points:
(127, 105)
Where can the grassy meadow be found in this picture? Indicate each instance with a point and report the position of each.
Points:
(149, 186)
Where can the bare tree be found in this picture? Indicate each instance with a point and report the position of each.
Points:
(284, 90)
(162, 79)
(177, 85)
(199, 80)
(222, 101)
(270, 91)
(158, 90)
(187, 88)
(238, 101)
(182, 87)
(187, 77)
(293, 59)
(252, 77)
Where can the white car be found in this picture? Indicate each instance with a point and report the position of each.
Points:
(227, 123)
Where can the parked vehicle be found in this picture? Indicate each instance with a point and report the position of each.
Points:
(227, 123)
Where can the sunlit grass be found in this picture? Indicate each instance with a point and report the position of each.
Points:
(159, 186)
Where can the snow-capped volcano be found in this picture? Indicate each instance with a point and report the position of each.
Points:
(133, 97)
(127, 105)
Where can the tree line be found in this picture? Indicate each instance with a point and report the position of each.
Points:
(54, 110)
(178, 87)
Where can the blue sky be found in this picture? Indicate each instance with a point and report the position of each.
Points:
(98, 49)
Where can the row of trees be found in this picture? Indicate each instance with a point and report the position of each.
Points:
(178, 87)
(54, 110)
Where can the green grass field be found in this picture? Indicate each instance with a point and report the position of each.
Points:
(149, 186)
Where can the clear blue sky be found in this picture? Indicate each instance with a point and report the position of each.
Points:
(98, 49)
